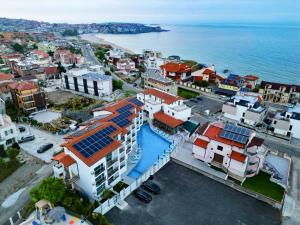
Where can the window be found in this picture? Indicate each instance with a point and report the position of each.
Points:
(291, 127)
(243, 114)
(173, 114)
(220, 148)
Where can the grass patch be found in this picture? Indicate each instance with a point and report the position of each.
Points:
(120, 186)
(129, 93)
(187, 94)
(261, 183)
(7, 168)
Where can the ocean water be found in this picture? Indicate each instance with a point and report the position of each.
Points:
(272, 53)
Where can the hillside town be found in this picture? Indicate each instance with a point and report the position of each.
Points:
(98, 129)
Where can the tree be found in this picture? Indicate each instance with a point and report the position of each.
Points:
(1, 61)
(107, 73)
(18, 48)
(117, 84)
(192, 64)
(60, 68)
(107, 194)
(50, 53)
(74, 65)
(70, 32)
(51, 189)
(13, 153)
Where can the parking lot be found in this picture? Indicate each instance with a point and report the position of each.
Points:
(41, 138)
(190, 198)
(203, 103)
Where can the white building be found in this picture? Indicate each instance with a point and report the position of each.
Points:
(125, 65)
(167, 111)
(244, 108)
(154, 63)
(8, 130)
(234, 149)
(287, 123)
(96, 156)
(88, 82)
(114, 55)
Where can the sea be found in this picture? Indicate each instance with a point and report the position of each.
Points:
(271, 52)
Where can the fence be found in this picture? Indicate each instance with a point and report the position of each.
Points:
(83, 115)
(163, 160)
(195, 87)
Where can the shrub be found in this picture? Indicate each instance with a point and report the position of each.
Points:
(2, 152)
(13, 152)
(120, 186)
(107, 194)
(16, 145)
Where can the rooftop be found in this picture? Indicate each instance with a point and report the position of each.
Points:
(176, 67)
(157, 76)
(22, 85)
(168, 98)
(168, 120)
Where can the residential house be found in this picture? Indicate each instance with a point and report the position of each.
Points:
(287, 123)
(46, 46)
(66, 57)
(28, 97)
(245, 108)
(96, 156)
(88, 82)
(250, 81)
(280, 93)
(125, 65)
(235, 150)
(5, 79)
(114, 55)
(8, 130)
(153, 78)
(177, 71)
(208, 74)
(166, 111)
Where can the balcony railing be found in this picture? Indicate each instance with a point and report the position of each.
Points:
(111, 172)
(111, 162)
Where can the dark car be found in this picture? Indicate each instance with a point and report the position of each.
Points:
(45, 148)
(194, 100)
(26, 139)
(143, 195)
(151, 187)
(134, 84)
(22, 129)
(199, 98)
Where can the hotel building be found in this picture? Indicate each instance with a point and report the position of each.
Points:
(95, 157)
(233, 149)
(166, 111)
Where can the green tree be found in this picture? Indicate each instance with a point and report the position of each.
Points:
(51, 189)
(107, 73)
(1, 61)
(192, 64)
(60, 68)
(18, 48)
(50, 53)
(12, 153)
(2, 162)
(107, 194)
(117, 84)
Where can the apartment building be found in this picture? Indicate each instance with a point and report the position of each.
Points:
(235, 150)
(207, 74)
(280, 93)
(88, 82)
(8, 130)
(245, 108)
(287, 123)
(125, 65)
(176, 70)
(114, 55)
(95, 157)
(153, 78)
(28, 97)
(166, 111)
(66, 57)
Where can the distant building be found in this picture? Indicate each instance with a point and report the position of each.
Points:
(166, 111)
(235, 150)
(207, 74)
(153, 78)
(245, 108)
(114, 55)
(287, 123)
(177, 71)
(8, 130)
(46, 47)
(88, 82)
(66, 57)
(28, 97)
(151, 54)
(96, 156)
(250, 81)
(281, 93)
(125, 65)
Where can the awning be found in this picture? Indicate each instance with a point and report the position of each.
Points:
(64, 159)
(167, 120)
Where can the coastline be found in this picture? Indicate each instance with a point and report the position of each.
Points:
(93, 38)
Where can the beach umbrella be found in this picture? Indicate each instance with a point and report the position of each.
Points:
(56, 213)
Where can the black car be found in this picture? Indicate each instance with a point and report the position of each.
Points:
(22, 129)
(134, 84)
(143, 195)
(151, 187)
(194, 100)
(45, 148)
(26, 139)
(199, 98)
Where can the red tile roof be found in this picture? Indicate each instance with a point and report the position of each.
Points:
(23, 85)
(201, 143)
(168, 99)
(5, 77)
(65, 159)
(238, 156)
(213, 132)
(208, 71)
(256, 142)
(51, 70)
(176, 67)
(251, 77)
(40, 53)
(168, 120)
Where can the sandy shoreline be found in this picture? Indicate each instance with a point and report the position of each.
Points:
(93, 38)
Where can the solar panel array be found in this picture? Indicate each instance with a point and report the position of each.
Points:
(235, 133)
(83, 131)
(121, 120)
(136, 101)
(94, 143)
(125, 108)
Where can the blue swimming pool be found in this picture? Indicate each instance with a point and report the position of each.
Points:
(152, 146)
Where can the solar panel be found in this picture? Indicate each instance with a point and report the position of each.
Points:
(94, 143)
(237, 130)
(235, 133)
(125, 108)
(136, 101)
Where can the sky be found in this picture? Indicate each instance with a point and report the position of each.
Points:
(155, 11)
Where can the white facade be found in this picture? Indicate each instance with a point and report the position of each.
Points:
(125, 65)
(244, 108)
(85, 81)
(154, 63)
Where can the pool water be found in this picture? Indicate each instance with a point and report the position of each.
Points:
(152, 146)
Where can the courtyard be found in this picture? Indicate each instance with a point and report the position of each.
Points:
(191, 198)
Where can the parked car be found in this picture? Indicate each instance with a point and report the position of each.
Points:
(199, 98)
(134, 84)
(22, 129)
(151, 187)
(142, 195)
(194, 100)
(45, 148)
(26, 139)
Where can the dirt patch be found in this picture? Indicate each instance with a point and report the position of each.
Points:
(60, 96)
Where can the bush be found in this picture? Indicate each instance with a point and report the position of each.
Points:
(187, 94)
(16, 145)
(8, 168)
(117, 84)
(2, 152)
(13, 153)
(120, 186)
(107, 194)
(107, 73)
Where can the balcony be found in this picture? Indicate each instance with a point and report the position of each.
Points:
(122, 158)
(122, 150)
(72, 180)
(110, 162)
(111, 172)
(99, 171)
(100, 180)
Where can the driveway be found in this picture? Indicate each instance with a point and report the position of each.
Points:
(205, 103)
(41, 138)
(190, 198)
